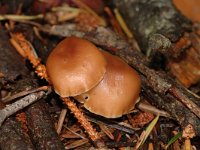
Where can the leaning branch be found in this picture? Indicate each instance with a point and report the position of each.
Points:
(20, 104)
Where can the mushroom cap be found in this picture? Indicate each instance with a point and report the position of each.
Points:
(117, 93)
(75, 66)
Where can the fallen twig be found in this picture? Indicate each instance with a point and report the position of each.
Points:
(110, 123)
(61, 120)
(20, 104)
(20, 17)
(152, 109)
(76, 144)
(24, 93)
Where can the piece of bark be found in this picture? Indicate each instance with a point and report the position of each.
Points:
(13, 138)
(158, 82)
(41, 127)
(186, 68)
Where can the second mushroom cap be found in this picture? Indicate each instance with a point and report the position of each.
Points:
(117, 93)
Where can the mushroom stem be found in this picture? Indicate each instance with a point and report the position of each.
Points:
(84, 122)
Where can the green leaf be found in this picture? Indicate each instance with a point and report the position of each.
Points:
(149, 128)
(146, 133)
(173, 139)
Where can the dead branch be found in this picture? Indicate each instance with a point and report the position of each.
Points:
(24, 93)
(13, 137)
(20, 104)
(41, 127)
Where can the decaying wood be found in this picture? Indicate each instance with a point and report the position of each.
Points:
(13, 138)
(41, 127)
(156, 82)
(187, 67)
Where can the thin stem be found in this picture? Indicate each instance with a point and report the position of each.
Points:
(61, 120)
(20, 17)
(122, 23)
(84, 122)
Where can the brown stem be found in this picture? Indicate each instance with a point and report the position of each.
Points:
(84, 122)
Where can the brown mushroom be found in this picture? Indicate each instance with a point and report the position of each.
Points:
(117, 93)
(75, 66)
